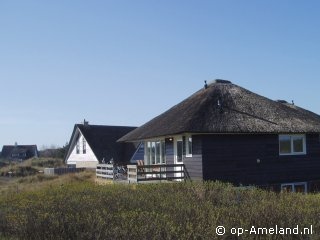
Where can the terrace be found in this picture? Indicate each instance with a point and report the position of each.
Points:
(142, 173)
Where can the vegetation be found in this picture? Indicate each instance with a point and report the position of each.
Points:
(54, 151)
(30, 166)
(74, 207)
(39, 181)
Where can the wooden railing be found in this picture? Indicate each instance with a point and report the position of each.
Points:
(105, 171)
(60, 171)
(159, 172)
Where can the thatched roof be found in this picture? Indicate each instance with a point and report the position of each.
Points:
(29, 151)
(224, 107)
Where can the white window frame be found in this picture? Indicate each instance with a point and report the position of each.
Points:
(151, 158)
(188, 153)
(292, 185)
(292, 137)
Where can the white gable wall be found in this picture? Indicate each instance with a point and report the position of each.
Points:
(81, 159)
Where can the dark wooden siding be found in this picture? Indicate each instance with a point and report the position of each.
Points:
(233, 158)
(169, 154)
(193, 165)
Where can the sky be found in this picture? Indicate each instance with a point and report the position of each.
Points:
(118, 62)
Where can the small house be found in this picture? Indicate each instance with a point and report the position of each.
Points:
(19, 152)
(228, 133)
(93, 144)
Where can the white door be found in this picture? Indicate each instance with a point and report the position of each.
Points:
(178, 159)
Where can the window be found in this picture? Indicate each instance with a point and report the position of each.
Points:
(300, 187)
(292, 144)
(188, 146)
(78, 147)
(158, 155)
(84, 146)
(163, 152)
(155, 152)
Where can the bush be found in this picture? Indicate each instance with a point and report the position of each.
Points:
(83, 210)
(47, 162)
(30, 167)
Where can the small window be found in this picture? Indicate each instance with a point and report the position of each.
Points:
(292, 144)
(300, 187)
(188, 146)
(84, 146)
(78, 147)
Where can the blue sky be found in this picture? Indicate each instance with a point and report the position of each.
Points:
(124, 62)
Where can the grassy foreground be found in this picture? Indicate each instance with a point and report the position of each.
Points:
(80, 209)
(29, 167)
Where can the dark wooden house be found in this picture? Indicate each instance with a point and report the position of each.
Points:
(19, 152)
(225, 132)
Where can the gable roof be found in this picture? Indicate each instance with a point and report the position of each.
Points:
(224, 107)
(29, 150)
(103, 141)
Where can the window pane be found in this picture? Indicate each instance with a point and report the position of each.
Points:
(189, 149)
(148, 153)
(153, 152)
(84, 146)
(297, 144)
(78, 147)
(287, 188)
(163, 152)
(285, 144)
(300, 188)
(157, 152)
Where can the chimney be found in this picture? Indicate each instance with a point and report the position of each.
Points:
(205, 84)
(85, 123)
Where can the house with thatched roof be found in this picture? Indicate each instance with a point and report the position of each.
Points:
(225, 132)
(90, 145)
(19, 152)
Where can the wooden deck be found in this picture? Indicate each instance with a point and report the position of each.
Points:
(141, 173)
(156, 173)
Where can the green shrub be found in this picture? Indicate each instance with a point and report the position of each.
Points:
(37, 178)
(47, 162)
(30, 167)
(79, 209)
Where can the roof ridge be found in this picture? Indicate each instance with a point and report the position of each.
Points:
(227, 108)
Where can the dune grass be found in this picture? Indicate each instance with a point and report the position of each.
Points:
(29, 167)
(74, 207)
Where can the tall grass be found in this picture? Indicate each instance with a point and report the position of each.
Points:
(30, 167)
(83, 210)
